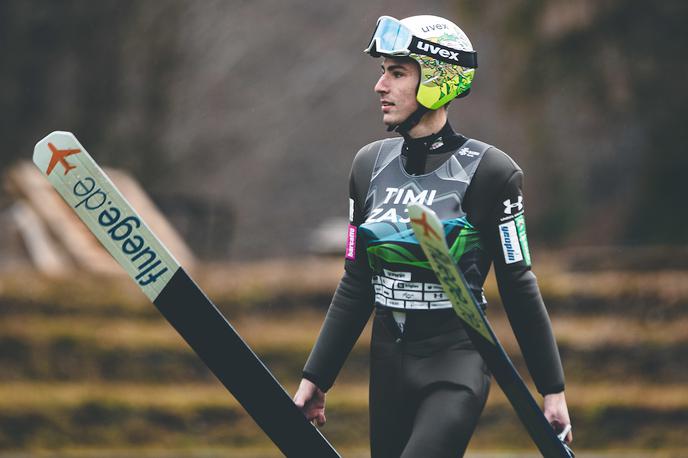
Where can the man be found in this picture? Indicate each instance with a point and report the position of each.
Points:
(428, 383)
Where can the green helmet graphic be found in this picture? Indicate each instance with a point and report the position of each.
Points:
(440, 81)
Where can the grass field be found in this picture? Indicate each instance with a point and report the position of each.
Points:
(348, 453)
(89, 368)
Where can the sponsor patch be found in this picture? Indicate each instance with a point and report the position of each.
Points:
(416, 305)
(433, 287)
(404, 294)
(351, 242)
(509, 207)
(466, 151)
(510, 243)
(408, 295)
(403, 276)
(393, 303)
(351, 210)
(435, 297)
(411, 286)
(522, 237)
(441, 305)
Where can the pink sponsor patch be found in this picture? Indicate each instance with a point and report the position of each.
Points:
(351, 243)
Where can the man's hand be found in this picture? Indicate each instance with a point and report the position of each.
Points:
(311, 400)
(557, 414)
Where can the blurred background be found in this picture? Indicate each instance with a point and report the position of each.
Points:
(238, 122)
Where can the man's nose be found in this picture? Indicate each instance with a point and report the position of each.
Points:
(381, 85)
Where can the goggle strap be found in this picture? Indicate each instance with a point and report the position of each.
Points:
(444, 53)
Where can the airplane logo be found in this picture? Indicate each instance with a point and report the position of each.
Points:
(426, 227)
(59, 155)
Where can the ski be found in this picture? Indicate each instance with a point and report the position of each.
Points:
(431, 235)
(85, 187)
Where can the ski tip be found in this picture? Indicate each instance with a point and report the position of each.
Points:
(424, 221)
(416, 210)
(56, 145)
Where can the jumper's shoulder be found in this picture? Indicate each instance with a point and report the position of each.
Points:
(496, 176)
(496, 167)
(364, 161)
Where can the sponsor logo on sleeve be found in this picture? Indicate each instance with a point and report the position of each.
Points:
(522, 237)
(510, 243)
(351, 242)
(510, 207)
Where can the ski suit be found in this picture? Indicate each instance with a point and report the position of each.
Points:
(428, 385)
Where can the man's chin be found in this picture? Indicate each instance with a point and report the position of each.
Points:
(390, 121)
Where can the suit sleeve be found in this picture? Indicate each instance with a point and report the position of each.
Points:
(352, 303)
(504, 235)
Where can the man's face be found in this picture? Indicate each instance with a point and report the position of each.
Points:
(397, 88)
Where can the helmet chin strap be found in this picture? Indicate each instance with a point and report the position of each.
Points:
(410, 122)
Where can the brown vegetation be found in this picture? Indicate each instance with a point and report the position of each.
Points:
(87, 361)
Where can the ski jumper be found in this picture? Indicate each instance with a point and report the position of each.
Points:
(428, 384)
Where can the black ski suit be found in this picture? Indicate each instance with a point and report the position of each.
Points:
(428, 384)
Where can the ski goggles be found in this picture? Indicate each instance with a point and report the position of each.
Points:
(392, 38)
